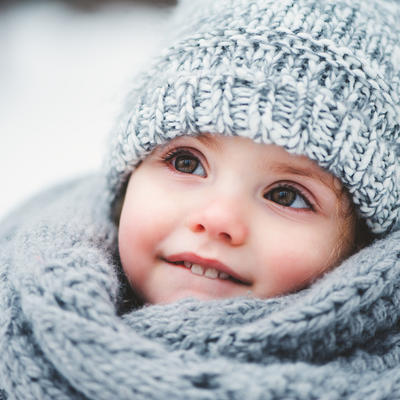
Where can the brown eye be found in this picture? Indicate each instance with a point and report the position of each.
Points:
(283, 197)
(185, 161)
(287, 197)
(188, 164)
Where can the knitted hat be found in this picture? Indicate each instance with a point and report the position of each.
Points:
(318, 77)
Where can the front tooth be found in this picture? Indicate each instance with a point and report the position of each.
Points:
(187, 264)
(197, 269)
(211, 273)
(223, 275)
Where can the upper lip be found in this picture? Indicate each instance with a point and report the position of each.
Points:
(207, 263)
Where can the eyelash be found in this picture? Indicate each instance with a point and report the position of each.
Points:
(298, 191)
(169, 157)
(171, 154)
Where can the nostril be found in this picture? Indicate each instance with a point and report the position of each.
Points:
(199, 228)
(225, 236)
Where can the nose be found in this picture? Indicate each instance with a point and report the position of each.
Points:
(221, 220)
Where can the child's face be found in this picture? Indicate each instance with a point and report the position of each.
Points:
(215, 217)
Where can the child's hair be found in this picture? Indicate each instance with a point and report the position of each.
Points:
(354, 232)
(117, 204)
(280, 75)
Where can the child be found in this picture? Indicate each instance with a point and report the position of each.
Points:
(257, 168)
(250, 217)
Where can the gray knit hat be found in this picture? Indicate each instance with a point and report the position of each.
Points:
(318, 77)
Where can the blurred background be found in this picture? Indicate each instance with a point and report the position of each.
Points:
(65, 67)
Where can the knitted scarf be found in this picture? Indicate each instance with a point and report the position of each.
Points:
(61, 336)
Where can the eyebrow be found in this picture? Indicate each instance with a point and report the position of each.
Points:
(308, 173)
(209, 141)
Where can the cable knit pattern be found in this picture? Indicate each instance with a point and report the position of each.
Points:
(62, 338)
(318, 77)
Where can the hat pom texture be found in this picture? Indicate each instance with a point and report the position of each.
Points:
(319, 78)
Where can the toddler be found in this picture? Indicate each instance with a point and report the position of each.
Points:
(214, 216)
(255, 166)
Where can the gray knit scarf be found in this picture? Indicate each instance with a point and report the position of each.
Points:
(61, 336)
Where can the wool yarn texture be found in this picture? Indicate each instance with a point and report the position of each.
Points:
(61, 336)
(319, 78)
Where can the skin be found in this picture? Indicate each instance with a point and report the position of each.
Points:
(272, 220)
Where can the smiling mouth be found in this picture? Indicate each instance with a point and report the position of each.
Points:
(206, 271)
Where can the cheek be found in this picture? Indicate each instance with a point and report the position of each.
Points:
(290, 262)
(132, 245)
(140, 214)
(139, 233)
(295, 268)
(144, 223)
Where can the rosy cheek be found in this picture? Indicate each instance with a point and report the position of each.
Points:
(293, 273)
(291, 269)
(130, 241)
(139, 236)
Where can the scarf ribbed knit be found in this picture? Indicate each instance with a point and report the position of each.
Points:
(62, 338)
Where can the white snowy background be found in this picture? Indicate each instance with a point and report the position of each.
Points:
(63, 74)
